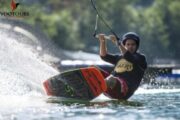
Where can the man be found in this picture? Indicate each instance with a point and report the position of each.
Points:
(129, 67)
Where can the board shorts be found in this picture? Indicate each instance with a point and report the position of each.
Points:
(119, 91)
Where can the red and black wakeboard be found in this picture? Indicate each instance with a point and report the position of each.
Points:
(83, 83)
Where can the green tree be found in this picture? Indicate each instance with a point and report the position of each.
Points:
(172, 21)
(70, 23)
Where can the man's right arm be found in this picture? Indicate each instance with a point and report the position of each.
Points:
(110, 58)
(103, 48)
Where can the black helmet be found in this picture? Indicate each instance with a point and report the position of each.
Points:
(133, 36)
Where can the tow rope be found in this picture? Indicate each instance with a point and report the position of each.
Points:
(103, 20)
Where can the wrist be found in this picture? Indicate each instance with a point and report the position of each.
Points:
(102, 41)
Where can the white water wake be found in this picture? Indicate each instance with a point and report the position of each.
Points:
(156, 91)
(21, 72)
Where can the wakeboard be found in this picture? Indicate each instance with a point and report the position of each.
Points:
(84, 83)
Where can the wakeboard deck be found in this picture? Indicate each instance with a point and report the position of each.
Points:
(83, 83)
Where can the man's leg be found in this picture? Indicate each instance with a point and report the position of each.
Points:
(117, 87)
(111, 81)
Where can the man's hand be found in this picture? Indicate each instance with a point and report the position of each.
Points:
(101, 37)
(113, 38)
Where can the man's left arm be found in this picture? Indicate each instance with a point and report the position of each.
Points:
(120, 45)
(143, 62)
(137, 59)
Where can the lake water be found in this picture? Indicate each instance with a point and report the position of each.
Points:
(22, 96)
(162, 105)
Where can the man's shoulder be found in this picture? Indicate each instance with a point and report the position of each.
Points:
(118, 55)
(141, 55)
(142, 59)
